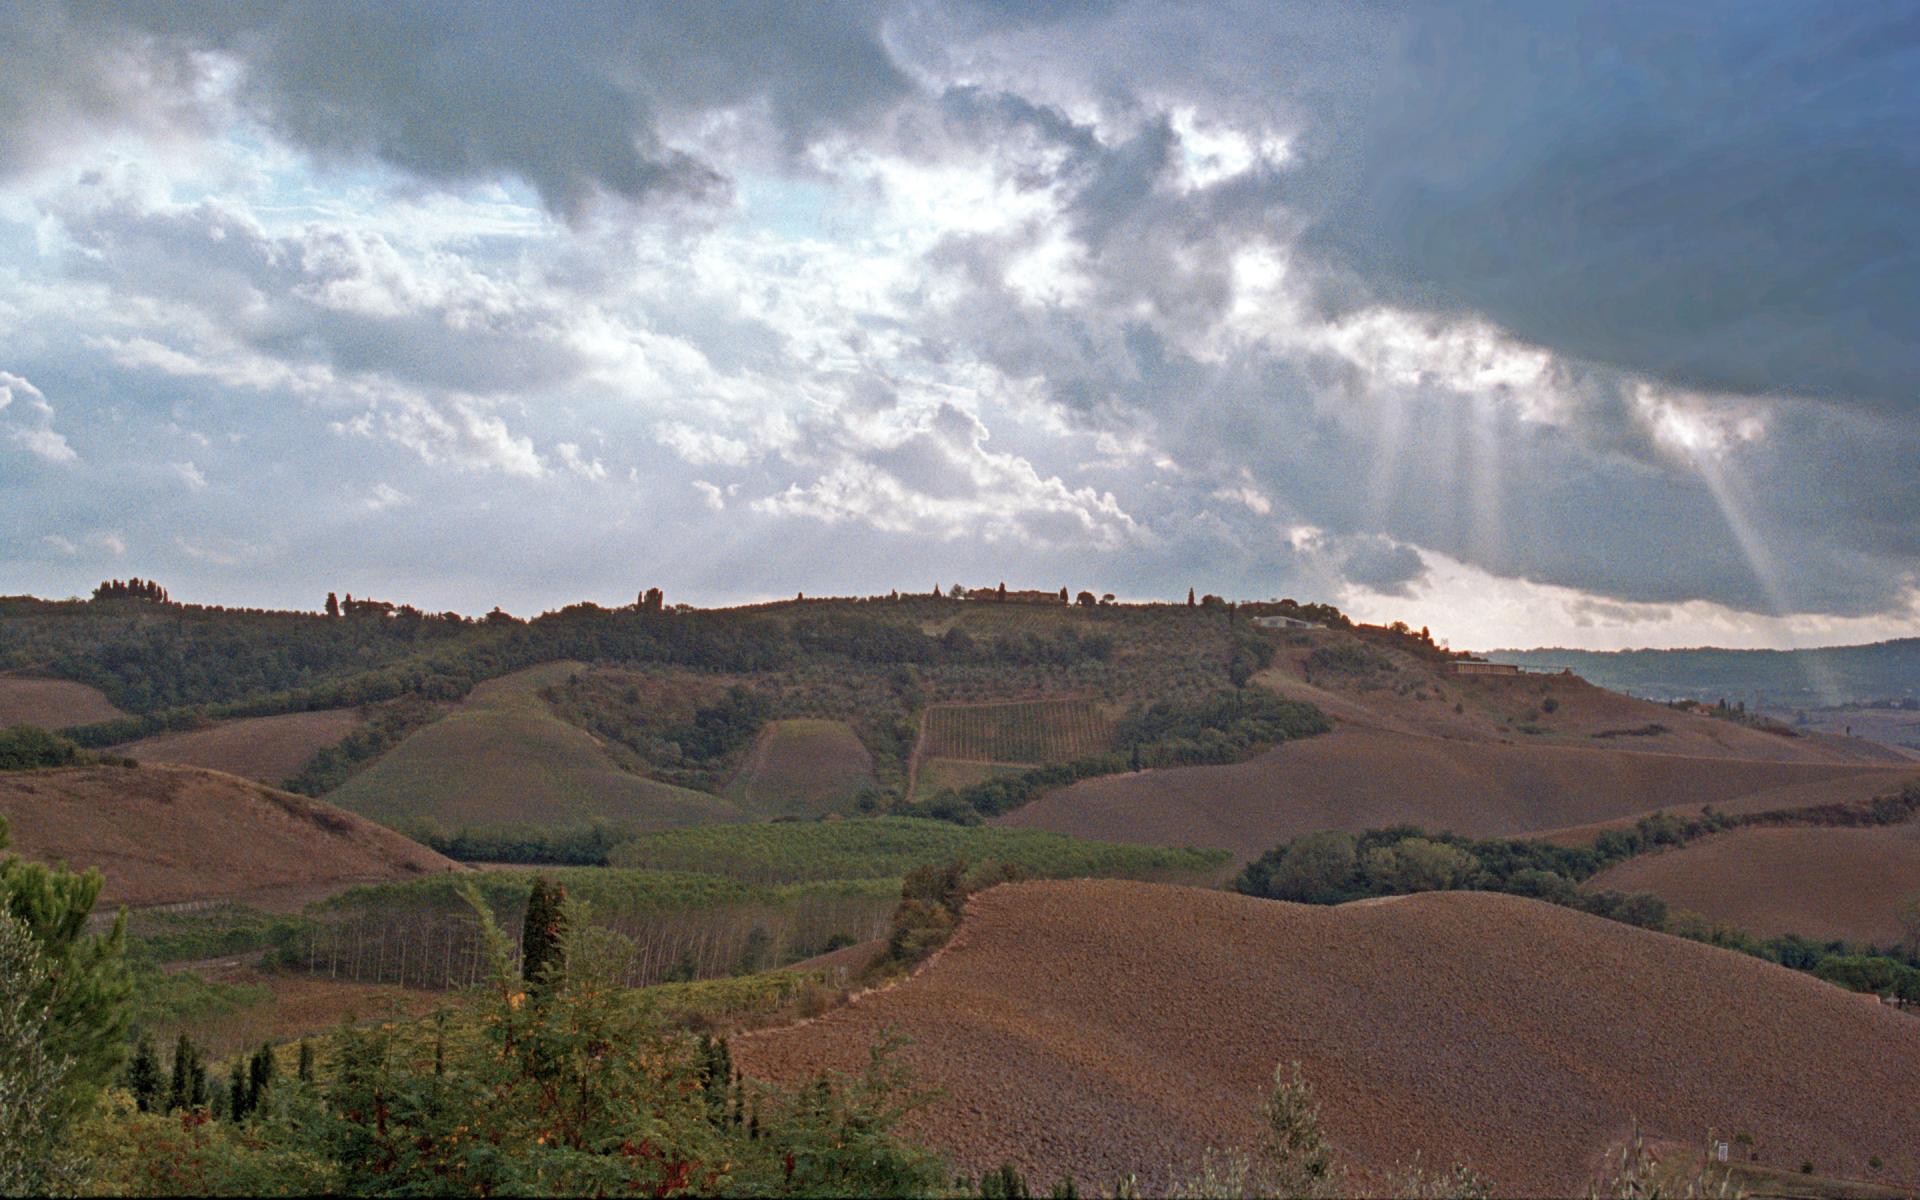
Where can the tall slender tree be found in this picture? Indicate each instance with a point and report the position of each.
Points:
(545, 926)
(143, 1076)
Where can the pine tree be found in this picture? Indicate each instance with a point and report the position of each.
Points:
(545, 925)
(1189, 597)
(304, 1072)
(143, 1076)
(333, 605)
(86, 987)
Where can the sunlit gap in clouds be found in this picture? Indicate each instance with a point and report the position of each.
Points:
(1703, 444)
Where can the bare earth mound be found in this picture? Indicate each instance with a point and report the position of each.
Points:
(52, 703)
(269, 749)
(1096, 1028)
(1822, 883)
(164, 835)
(1358, 779)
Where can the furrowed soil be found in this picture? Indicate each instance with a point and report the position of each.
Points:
(1028, 731)
(1101, 1028)
(269, 749)
(1359, 778)
(503, 758)
(1828, 884)
(52, 703)
(172, 835)
(802, 766)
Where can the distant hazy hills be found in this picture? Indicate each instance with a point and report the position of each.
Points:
(1830, 675)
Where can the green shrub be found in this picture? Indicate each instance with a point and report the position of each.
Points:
(27, 748)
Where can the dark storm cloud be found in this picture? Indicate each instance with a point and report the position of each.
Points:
(568, 98)
(1722, 195)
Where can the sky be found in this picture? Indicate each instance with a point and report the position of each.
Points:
(1568, 324)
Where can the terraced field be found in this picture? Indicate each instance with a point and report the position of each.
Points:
(1522, 1039)
(1028, 731)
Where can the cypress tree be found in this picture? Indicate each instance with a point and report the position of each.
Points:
(259, 1075)
(237, 1091)
(545, 925)
(179, 1094)
(143, 1076)
(304, 1072)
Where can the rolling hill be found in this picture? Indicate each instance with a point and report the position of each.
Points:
(1358, 778)
(1520, 1038)
(1827, 884)
(170, 835)
(503, 759)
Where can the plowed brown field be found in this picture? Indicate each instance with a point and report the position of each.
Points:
(269, 749)
(52, 703)
(1823, 883)
(1356, 778)
(165, 835)
(1097, 1028)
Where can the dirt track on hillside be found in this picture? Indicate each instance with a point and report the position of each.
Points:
(1100, 1028)
(1357, 778)
(169, 835)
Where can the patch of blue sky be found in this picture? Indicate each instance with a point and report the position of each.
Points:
(794, 209)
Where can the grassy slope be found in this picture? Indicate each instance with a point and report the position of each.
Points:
(502, 758)
(802, 766)
(939, 774)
